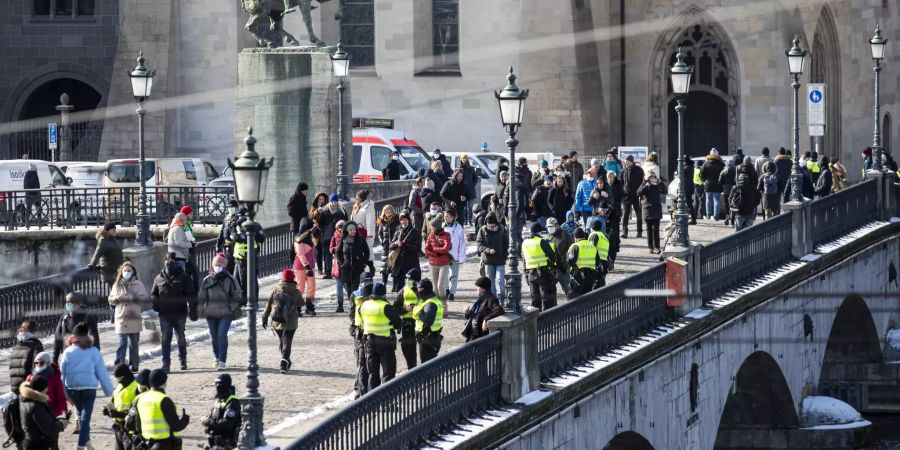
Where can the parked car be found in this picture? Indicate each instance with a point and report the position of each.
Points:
(171, 183)
(87, 187)
(13, 204)
(485, 165)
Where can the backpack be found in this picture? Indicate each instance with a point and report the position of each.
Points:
(736, 199)
(770, 184)
(12, 422)
(283, 305)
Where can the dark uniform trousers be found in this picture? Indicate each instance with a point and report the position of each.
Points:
(627, 208)
(408, 342)
(543, 287)
(381, 359)
(429, 345)
(362, 370)
(583, 281)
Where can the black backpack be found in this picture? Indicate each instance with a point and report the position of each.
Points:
(736, 199)
(282, 307)
(12, 422)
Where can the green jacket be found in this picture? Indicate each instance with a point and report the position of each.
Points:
(108, 255)
(289, 288)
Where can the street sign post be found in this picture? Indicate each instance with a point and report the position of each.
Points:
(815, 110)
(52, 139)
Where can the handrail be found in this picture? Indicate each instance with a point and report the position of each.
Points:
(836, 214)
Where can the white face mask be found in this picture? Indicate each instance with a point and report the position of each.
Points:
(435, 211)
(436, 155)
(551, 230)
(127, 275)
(232, 210)
(218, 269)
(395, 157)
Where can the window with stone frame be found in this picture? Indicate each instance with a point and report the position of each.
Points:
(445, 34)
(62, 9)
(703, 51)
(358, 32)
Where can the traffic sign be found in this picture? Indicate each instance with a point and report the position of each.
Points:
(817, 130)
(52, 136)
(815, 111)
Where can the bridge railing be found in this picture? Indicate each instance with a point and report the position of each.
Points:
(416, 405)
(836, 214)
(746, 254)
(576, 331)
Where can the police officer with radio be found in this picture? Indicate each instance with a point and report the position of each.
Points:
(407, 299)
(223, 424)
(540, 268)
(584, 261)
(380, 319)
(599, 240)
(156, 416)
(429, 316)
(240, 252)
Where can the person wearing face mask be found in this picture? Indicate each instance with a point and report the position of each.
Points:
(219, 298)
(174, 299)
(561, 242)
(445, 164)
(223, 424)
(122, 400)
(157, 415)
(329, 216)
(650, 193)
(352, 256)
(540, 267)
(437, 249)
(55, 390)
(75, 302)
(415, 203)
(392, 170)
(126, 295)
(408, 299)
(457, 249)
(224, 244)
(41, 427)
(435, 211)
(406, 242)
(493, 245)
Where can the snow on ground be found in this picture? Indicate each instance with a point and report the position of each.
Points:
(462, 432)
(821, 410)
(831, 246)
(533, 397)
(772, 276)
(298, 418)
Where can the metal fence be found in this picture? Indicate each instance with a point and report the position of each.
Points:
(600, 320)
(82, 138)
(417, 405)
(746, 254)
(836, 214)
(71, 207)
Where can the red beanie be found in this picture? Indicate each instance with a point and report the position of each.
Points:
(186, 210)
(287, 275)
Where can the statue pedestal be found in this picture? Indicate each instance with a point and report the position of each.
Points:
(289, 95)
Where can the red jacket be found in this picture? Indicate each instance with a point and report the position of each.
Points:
(55, 391)
(437, 249)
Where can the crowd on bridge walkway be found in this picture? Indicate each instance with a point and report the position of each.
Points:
(577, 217)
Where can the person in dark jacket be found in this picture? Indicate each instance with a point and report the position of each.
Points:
(327, 216)
(76, 304)
(541, 201)
(575, 169)
(632, 177)
(438, 177)
(223, 424)
(742, 201)
(283, 308)
(485, 308)
(807, 188)
(174, 298)
(227, 230)
(296, 207)
(456, 192)
(747, 168)
(825, 181)
(445, 164)
(471, 176)
(158, 378)
(391, 171)
(687, 174)
(352, 256)
(108, 254)
(21, 359)
(493, 246)
(32, 184)
(561, 242)
(523, 187)
(41, 427)
(728, 178)
(408, 241)
(560, 199)
(739, 157)
(783, 164)
(771, 200)
(650, 193)
(709, 173)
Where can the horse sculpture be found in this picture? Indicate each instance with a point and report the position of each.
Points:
(276, 36)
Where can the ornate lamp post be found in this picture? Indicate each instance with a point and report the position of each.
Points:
(141, 85)
(340, 61)
(680, 74)
(796, 59)
(251, 175)
(877, 44)
(512, 105)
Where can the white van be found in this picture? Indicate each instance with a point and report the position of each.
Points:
(485, 165)
(85, 174)
(12, 179)
(169, 183)
(373, 142)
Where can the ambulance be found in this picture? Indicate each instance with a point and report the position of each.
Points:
(374, 140)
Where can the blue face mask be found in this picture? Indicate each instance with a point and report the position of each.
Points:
(70, 308)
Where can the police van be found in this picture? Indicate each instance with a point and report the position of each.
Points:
(374, 140)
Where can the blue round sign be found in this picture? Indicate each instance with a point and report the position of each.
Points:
(815, 96)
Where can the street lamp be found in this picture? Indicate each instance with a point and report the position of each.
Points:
(512, 105)
(141, 85)
(340, 61)
(796, 60)
(680, 73)
(877, 44)
(251, 174)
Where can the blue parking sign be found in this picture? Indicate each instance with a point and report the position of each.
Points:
(52, 136)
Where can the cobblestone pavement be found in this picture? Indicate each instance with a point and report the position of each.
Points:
(321, 379)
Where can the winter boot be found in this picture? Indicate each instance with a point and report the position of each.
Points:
(285, 364)
(310, 307)
(340, 308)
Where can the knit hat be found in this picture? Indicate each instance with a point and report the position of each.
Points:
(112, 225)
(367, 289)
(220, 260)
(121, 370)
(186, 210)
(544, 163)
(867, 151)
(552, 221)
(523, 160)
(43, 356)
(714, 152)
(596, 225)
(143, 377)
(414, 274)
(579, 233)
(287, 275)
(629, 158)
(437, 224)
(379, 289)
(233, 203)
(333, 198)
(548, 178)
(572, 153)
(404, 215)
(38, 383)
(158, 378)
(491, 218)
(484, 283)
(504, 173)
(425, 286)
(765, 151)
(536, 229)
(81, 330)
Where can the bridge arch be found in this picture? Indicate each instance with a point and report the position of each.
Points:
(628, 440)
(759, 400)
(853, 337)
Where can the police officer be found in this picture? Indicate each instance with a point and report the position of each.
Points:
(157, 418)
(407, 299)
(133, 434)
(240, 253)
(599, 239)
(429, 315)
(223, 424)
(584, 260)
(122, 399)
(224, 243)
(380, 319)
(540, 266)
(363, 293)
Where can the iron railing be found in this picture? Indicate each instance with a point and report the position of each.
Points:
(746, 254)
(70, 207)
(576, 331)
(43, 300)
(838, 213)
(417, 405)
(83, 138)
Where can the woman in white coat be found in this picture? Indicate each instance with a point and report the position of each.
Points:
(364, 215)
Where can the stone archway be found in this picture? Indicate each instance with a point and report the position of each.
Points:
(825, 67)
(714, 102)
(758, 404)
(628, 440)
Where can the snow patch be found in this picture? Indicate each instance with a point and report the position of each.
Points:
(821, 410)
(533, 397)
(850, 237)
(299, 418)
(841, 426)
(698, 313)
(460, 433)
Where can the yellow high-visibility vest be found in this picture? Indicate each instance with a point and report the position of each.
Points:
(409, 299)
(374, 320)
(240, 249)
(697, 180)
(123, 397)
(153, 423)
(534, 255)
(587, 255)
(812, 165)
(357, 303)
(602, 244)
(438, 316)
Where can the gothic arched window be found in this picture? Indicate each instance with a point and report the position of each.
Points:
(705, 53)
(358, 32)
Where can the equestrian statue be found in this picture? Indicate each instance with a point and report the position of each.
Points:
(276, 36)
